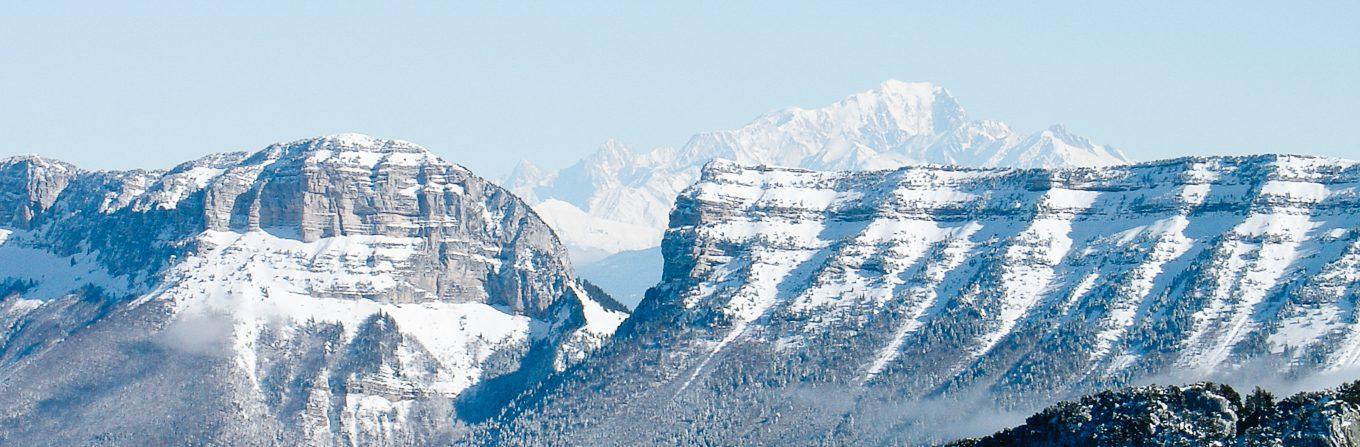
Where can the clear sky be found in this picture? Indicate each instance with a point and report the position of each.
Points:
(149, 84)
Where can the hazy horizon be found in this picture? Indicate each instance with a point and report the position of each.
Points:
(152, 85)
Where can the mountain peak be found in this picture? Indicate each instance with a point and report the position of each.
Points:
(918, 89)
(1056, 146)
(615, 149)
(525, 169)
(894, 92)
(1060, 131)
(354, 149)
(611, 157)
(365, 143)
(37, 160)
(345, 143)
(916, 108)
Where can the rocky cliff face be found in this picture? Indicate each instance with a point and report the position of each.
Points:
(340, 290)
(477, 242)
(31, 185)
(887, 306)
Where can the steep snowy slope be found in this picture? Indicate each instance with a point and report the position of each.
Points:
(334, 291)
(884, 306)
(617, 200)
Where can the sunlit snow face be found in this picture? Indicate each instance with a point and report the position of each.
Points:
(1092, 251)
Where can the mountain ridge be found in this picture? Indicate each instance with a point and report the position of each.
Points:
(332, 290)
(881, 306)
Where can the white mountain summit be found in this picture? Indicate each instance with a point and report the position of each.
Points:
(617, 200)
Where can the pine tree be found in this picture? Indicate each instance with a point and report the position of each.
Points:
(1349, 393)
(1256, 409)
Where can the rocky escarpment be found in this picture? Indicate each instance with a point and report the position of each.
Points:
(929, 303)
(30, 186)
(480, 243)
(339, 290)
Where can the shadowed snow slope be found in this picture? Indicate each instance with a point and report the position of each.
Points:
(332, 291)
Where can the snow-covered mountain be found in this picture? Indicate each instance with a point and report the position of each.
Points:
(333, 291)
(923, 303)
(617, 200)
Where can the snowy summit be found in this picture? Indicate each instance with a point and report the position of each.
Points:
(617, 201)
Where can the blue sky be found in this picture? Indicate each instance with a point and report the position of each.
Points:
(150, 84)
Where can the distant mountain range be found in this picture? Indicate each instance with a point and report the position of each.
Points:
(617, 200)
